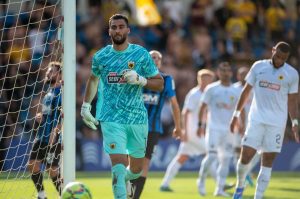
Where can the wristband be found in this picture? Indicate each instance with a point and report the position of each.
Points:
(86, 103)
(236, 113)
(199, 124)
(295, 122)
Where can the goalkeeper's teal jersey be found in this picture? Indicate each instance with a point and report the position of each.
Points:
(118, 101)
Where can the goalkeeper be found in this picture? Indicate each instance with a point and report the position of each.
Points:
(119, 73)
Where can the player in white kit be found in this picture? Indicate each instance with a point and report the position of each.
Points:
(275, 86)
(219, 98)
(191, 144)
(241, 75)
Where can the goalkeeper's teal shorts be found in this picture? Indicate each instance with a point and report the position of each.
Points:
(128, 139)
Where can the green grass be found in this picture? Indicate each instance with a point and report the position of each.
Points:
(282, 186)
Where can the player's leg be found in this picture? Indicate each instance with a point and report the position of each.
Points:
(185, 150)
(255, 160)
(264, 174)
(242, 169)
(172, 171)
(211, 142)
(237, 154)
(119, 162)
(136, 146)
(139, 183)
(225, 153)
(115, 139)
(251, 142)
(271, 147)
(36, 158)
(213, 169)
(52, 164)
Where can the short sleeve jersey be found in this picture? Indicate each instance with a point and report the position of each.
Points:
(192, 104)
(271, 88)
(118, 101)
(154, 102)
(51, 110)
(221, 101)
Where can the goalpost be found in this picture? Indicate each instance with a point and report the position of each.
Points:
(69, 102)
(30, 38)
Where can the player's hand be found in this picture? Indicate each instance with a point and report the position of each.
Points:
(295, 130)
(177, 134)
(184, 137)
(87, 117)
(132, 77)
(241, 128)
(39, 117)
(233, 124)
(201, 132)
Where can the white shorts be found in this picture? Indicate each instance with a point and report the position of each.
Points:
(263, 137)
(192, 147)
(220, 142)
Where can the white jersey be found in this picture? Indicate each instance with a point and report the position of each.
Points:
(271, 88)
(192, 103)
(221, 101)
(195, 145)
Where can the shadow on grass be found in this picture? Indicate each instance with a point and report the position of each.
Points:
(288, 189)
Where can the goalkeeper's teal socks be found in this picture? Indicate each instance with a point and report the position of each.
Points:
(118, 181)
(130, 175)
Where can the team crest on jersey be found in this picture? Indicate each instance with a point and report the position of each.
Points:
(131, 64)
(112, 145)
(280, 77)
(232, 98)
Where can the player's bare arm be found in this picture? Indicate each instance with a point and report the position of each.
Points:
(240, 105)
(155, 83)
(242, 122)
(201, 125)
(91, 88)
(185, 114)
(293, 112)
(176, 117)
(55, 132)
(90, 92)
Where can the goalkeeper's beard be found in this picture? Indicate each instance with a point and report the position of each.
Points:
(118, 41)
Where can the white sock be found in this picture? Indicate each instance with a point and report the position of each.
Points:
(255, 160)
(241, 173)
(213, 169)
(171, 172)
(41, 194)
(205, 164)
(263, 180)
(222, 173)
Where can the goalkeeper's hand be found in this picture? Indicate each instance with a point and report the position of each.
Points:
(87, 117)
(132, 77)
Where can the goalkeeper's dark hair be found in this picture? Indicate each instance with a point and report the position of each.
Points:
(119, 16)
(283, 47)
(56, 64)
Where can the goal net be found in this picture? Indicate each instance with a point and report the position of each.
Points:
(29, 41)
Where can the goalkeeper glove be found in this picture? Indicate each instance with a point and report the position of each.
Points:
(133, 78)
(87, 117)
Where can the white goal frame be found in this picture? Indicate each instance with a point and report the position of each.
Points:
(69, 95)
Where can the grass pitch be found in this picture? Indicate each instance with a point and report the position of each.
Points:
(283, 185)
